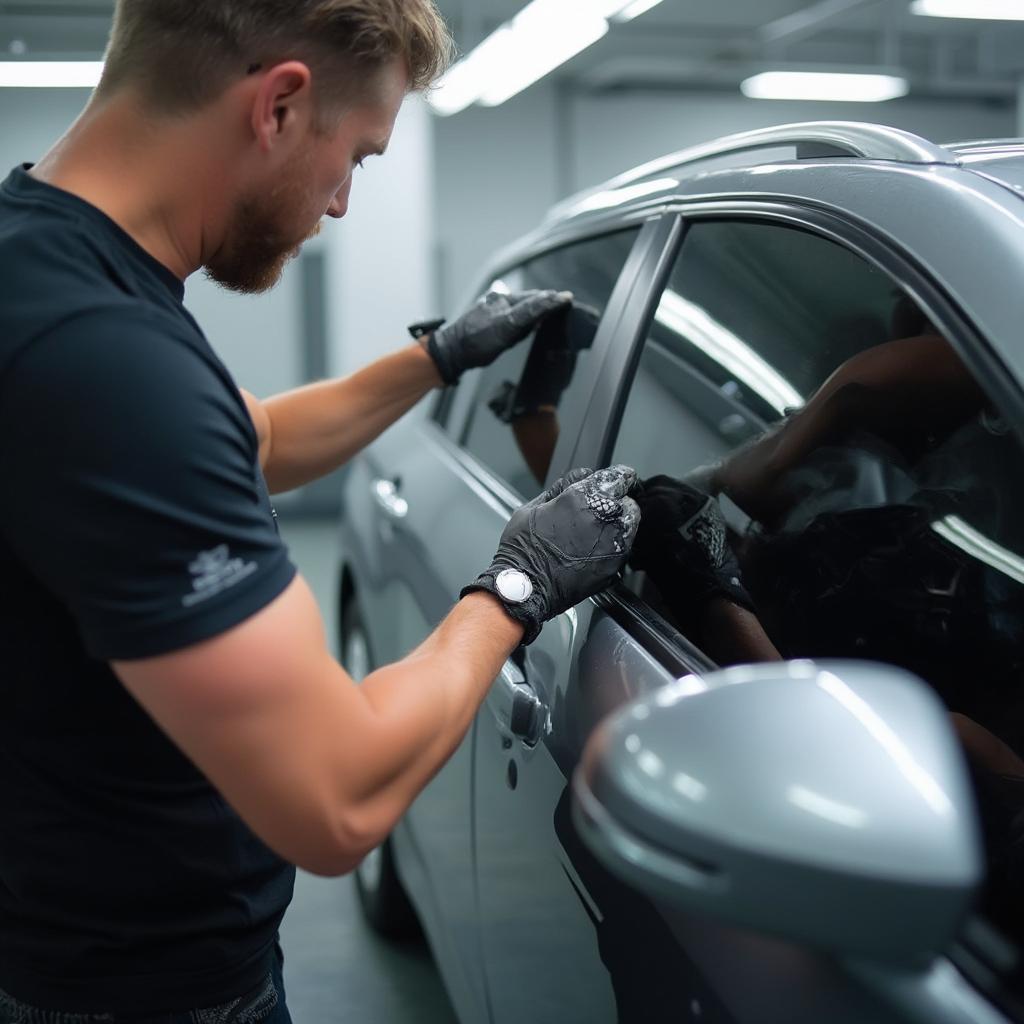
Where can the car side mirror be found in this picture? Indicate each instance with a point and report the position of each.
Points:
(826, 802)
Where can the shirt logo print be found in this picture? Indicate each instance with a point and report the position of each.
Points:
(214, 571)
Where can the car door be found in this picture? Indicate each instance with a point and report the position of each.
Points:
(831, 396)
(898, 511)
(456, 479)
(543, 902)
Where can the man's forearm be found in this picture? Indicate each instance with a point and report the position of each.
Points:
(317, 428)
(734, 636)
(426, 702)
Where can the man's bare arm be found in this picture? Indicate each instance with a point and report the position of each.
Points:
(321, 769)
(308, 432)
(313, 430)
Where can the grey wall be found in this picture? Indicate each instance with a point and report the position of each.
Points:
(499, 170)
(381, 275)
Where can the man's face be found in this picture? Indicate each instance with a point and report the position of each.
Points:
(267, 226)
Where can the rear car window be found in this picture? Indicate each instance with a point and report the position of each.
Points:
(873, 490)
(512, 425)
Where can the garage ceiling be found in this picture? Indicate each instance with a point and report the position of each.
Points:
(678, 45)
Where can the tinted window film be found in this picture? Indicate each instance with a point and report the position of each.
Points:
(513, 424)
(871, 489)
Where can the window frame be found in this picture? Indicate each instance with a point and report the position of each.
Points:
(649, 239)
(599, 430)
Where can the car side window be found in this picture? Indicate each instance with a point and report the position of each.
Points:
(512, 426)
(872, 490)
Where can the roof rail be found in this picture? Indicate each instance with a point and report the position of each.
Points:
(984, 145)
(813, 138)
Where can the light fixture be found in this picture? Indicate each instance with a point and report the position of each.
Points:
(542, 36)
(985, 10)
(50, 74)
(462, 83)
(545, 35)
(851, 87)
(627, 10)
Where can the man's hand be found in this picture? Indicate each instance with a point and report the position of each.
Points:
(550, 367)
(683, 545)
(565, 545)
(493, 324)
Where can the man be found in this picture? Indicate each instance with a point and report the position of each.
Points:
(174, 734)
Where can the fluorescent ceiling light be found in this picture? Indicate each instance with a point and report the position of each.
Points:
(824, 85)
(50, 74)
(543, 35)
(462, 83)
(627, 10)
(994, 10)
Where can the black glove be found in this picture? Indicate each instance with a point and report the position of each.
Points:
(493, 324)
(550, 366)
(562, 547)
(683, 546)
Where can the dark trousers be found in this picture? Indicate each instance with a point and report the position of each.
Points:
(263, 1004)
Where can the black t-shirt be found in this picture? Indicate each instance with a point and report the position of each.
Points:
(134, 521)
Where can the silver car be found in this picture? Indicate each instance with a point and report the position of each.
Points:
(808, 812)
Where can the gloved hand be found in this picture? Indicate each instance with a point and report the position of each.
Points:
(565, 545)
(551, 364)
(493, 324)
(683, 546)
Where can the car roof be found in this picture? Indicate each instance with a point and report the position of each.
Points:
(1000, 160)
(956, 211)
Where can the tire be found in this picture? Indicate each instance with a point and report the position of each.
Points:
(381, 896)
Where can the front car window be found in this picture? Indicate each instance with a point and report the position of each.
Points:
(871, 488)
(513, 425)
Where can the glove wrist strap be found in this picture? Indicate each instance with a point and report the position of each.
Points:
(529, 613)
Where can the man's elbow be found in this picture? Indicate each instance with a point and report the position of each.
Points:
(343, 842)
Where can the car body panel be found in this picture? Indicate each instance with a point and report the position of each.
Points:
(524, 924)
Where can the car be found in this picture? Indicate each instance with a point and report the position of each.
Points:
(821, 325)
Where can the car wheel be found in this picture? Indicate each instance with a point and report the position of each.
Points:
(383, 900)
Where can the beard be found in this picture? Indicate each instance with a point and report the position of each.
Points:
(261, 238)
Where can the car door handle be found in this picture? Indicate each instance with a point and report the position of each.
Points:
(517, 709)
(385, 494)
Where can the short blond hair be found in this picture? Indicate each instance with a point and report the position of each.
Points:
(181, 54)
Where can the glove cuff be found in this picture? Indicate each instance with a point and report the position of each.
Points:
(442, 359)
(529, 613)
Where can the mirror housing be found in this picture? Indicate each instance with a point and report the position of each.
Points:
(825, 802)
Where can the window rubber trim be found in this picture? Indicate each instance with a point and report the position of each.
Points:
(656, 635)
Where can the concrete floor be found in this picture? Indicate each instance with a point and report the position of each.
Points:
(336, 970)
